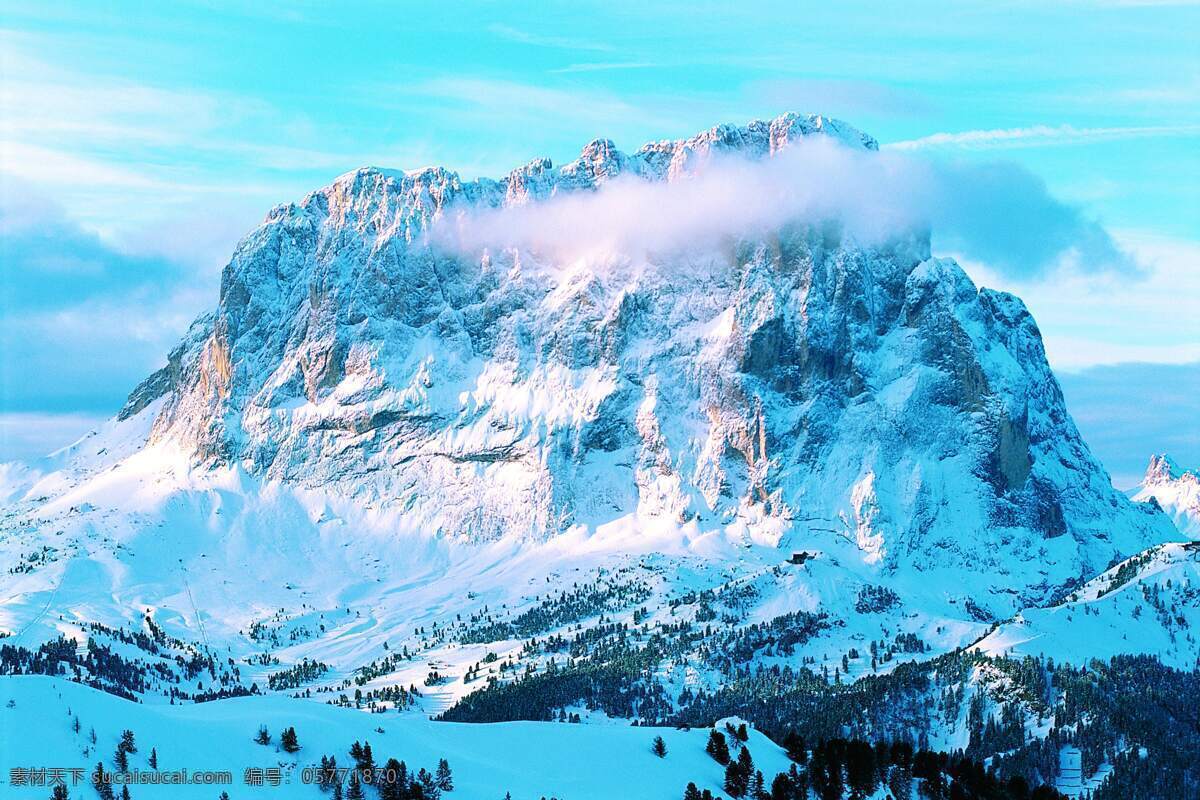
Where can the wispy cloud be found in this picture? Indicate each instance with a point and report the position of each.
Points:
(605, 66)
(840, 97)
(519, 115)
(1039, 135)
(117, 152)
(547, 40)
(515, 98)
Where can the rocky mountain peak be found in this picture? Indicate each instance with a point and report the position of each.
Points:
(1174, 489)
(1164, 469)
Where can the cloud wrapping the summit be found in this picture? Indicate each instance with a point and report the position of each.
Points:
(997, 213)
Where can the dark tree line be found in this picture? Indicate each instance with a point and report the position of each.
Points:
(394, 780)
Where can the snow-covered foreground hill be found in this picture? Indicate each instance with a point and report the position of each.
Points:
(526, 759)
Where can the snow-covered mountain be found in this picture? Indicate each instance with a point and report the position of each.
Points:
(383, 462)
(1174, 489)
(795, 390)
(798, 380)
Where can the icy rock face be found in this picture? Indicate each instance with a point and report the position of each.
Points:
(1174, 489)
(875, 393)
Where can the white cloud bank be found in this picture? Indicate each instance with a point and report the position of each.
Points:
(996, 213)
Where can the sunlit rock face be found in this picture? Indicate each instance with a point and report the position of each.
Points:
(792, 376)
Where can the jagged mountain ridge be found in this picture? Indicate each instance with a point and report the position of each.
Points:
(798, 382)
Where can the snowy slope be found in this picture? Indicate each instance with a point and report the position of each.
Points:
(528, 759)
(1147, 604)
(207, 557)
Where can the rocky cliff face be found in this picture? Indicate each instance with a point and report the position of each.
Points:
(795, 381)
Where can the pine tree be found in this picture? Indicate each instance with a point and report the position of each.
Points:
(332, 778)
(323, 779)
(103, 787)
(263, 736)
(288, 740)
(717, 748)
(127, 741)
(691, 792)
(825, 776)
(393, 781)
(739, 774)
(860, 769)
(659, 748)
(443, 779)
(426, 786)
(757, 788)
(153, 758)
(125, 792)
(59, 792)
(734, 780)
(746, 761)
(793, 743)
(366, 764)
(799, 783)
(745, 772)
(121, 759)
(781, 787)
(900, 782)
(354, 790)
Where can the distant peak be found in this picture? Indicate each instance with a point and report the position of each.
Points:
(1164, 469)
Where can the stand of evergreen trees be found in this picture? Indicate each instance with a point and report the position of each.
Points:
(1106, 709)
(393, 781)
(856, 769)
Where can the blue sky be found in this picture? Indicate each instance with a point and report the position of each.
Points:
(140, 140)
